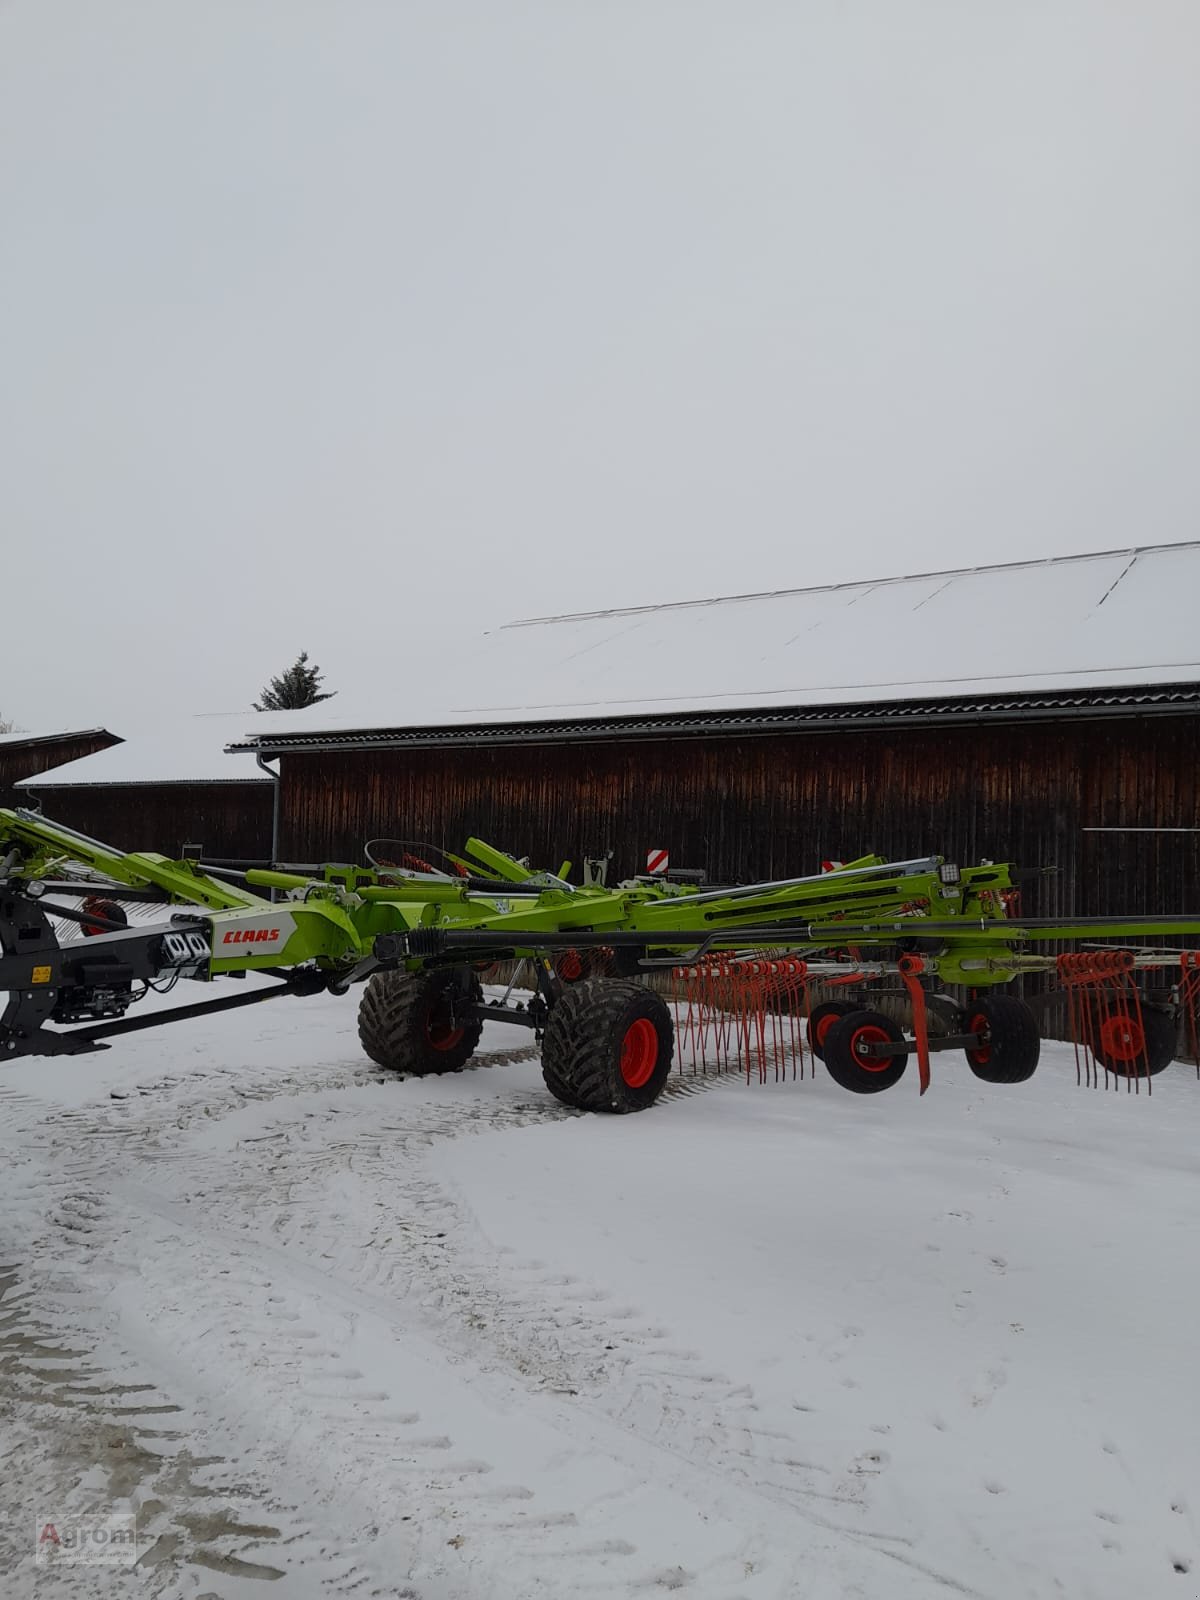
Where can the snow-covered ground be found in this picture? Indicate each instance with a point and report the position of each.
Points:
(445, 1340)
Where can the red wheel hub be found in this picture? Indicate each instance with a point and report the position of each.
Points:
(979, 1057)
(440, 1034)
(823, 1026)
(870, 1033)
(639, 1053)
(1122, 1037)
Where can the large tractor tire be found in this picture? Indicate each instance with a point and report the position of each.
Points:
(1135, 1044)
(608, 1046)
(846, 1061)
(407, 1022)
(1009, 1042)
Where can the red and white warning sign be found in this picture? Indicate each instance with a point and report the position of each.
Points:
(657, 861)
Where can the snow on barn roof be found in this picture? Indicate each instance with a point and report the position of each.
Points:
(1116, 619)
(188, 750)
(20, 737)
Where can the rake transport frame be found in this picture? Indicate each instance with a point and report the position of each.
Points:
(420, 938)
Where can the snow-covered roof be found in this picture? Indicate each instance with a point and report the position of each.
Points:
(188, 750)
(24, 737)
(1113, 619)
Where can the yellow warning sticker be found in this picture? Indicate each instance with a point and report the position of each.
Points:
(41, 975)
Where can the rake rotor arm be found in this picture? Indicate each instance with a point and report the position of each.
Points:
(42, 846)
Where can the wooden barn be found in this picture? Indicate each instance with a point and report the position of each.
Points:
(24, 755)
(1046, 713)
(163, 790)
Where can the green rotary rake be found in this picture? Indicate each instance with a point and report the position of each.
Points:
(86, 931)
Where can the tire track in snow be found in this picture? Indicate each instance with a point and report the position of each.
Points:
(253, 1177)
(84, 1432)
(142, 1130)
(194, 1511)
(627, 1375)
(717, 1474)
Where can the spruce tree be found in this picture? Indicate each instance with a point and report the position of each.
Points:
(294, 689)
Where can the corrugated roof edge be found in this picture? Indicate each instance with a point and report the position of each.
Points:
(1162, 699)
(1131, 551)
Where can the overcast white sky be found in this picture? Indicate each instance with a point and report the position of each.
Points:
(357, 327)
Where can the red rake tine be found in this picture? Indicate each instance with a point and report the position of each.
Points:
(720, 1016)
(741, 1013)
(702, 990)
(797, 1009)
(705, 1013)
(685, 1019)
(768, 1014)
(685, 1001)
(720, 994)
(710, 1017)
(779, 1020)
(789, 999)
(1144, 1055)
(795, 1001)
(751, 1015)
(1075, 972)
(703, 1017)
(757, 998)
(1189, 996)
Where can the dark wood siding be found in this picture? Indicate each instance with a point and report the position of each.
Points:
(19, 761)
(755, 807)
(226, 819)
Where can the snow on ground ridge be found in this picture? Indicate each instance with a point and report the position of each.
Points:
(445, 1338)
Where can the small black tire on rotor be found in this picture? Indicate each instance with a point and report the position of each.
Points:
(847, 1052)
(1009, 1041)
(821, 1018)
(608, 1046)
(1135, 1043)
(420, 1022)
